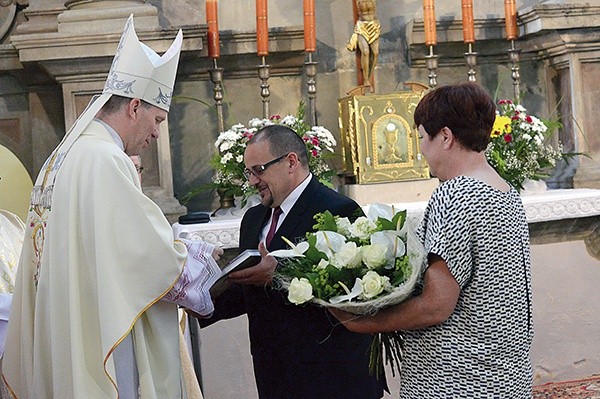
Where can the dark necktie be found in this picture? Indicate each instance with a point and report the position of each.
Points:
(276, 212)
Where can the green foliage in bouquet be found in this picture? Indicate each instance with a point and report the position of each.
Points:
(360, 267)
(332, 274)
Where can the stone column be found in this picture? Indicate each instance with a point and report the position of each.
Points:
(75, 48)
(99, 16)
(567, 36)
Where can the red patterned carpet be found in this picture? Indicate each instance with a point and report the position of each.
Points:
(581, 389)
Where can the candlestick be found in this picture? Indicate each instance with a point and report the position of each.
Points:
(467, 21)
(514, 55)
(213, 29)
(216, 76)
(429, 22)
(510, 14)
(262, 28)
(471, 58)
(263, 75)
(310, 34)
(311, 72)
(432, 64)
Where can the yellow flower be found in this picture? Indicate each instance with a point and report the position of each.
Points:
(501, 126)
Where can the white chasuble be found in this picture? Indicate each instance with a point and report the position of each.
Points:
(96, 261)
(12, 230)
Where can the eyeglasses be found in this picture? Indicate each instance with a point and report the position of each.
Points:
(258, 170)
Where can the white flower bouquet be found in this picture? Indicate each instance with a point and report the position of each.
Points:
(360, 267)
(228, 160)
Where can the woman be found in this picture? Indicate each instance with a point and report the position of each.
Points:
(468, 332)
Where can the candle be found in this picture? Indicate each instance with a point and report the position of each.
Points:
(467, 21)
(262, 28)
(213, 29)
(429, 22)
(310, 35)
(510, 13)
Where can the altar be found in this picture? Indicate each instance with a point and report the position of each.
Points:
(565, 236)
(563, 207)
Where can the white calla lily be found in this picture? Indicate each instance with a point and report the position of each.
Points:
(329, 242)
(381, 210)
(294, 251)
(391, 240)
(356, 291)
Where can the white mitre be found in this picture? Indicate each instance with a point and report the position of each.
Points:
(138, 72)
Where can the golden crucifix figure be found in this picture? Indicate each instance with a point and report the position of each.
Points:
(365, 38)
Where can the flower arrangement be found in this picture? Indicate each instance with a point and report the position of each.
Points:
(518, 149)
(228, 161)
(360, 267)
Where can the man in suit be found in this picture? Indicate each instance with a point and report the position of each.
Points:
(297, 351)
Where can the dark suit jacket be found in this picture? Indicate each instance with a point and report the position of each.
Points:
(299, 351)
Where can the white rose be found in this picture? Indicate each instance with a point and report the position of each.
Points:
(362, 228)
(348, 256)
(374, 255)
(300, 291)
(373, 284)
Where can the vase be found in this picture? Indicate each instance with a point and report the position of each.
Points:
(226, 202)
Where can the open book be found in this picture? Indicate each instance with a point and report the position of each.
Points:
(248, 258)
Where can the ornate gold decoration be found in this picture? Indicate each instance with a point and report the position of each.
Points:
(379, 142)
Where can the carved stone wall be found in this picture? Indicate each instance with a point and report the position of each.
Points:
(54, 43)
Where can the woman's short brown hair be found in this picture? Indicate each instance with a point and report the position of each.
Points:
(466, 109)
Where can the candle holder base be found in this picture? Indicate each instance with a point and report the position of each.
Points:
(514, 56)
(216, 77)
(310, 68)
(432, 64)
(263, 75)
(471, 58)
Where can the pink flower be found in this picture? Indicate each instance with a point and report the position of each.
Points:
(507, 138)
(314, 153)
(315, 141)
(275, 117)
(528, 119)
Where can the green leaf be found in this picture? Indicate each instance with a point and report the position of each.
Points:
(325, 222)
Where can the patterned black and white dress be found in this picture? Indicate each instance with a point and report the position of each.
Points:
(482, 350)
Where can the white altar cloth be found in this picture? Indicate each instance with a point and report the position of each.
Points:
(549, 206)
